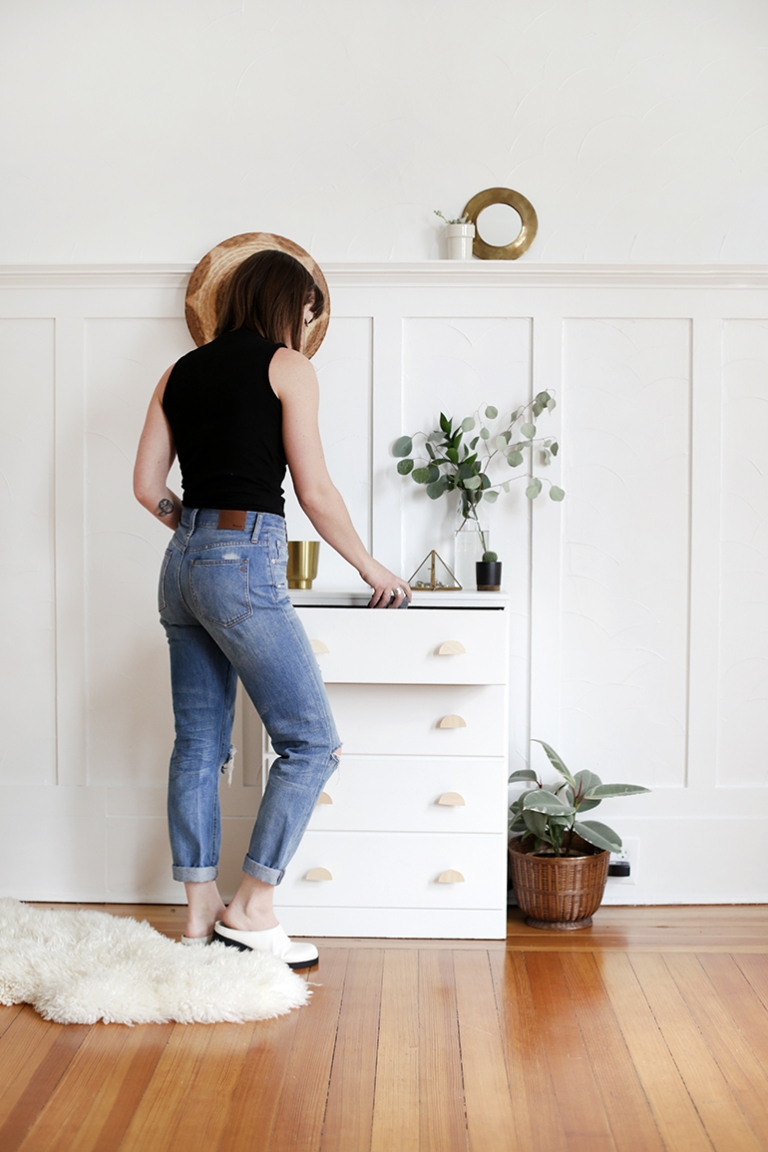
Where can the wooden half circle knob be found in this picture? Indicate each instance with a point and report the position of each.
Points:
(452, 721)
(318, 874)
(450, 877)
(451, 799)
(319, 647)
(451, 648)
(324, 798)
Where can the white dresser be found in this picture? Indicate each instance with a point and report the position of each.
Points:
(410, 836)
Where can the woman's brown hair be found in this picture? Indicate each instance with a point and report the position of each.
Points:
(268, 293)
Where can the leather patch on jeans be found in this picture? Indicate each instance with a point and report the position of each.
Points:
(232, 518)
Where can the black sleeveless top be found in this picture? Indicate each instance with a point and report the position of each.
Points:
(227, 424)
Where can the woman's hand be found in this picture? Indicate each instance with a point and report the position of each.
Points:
(389, 591)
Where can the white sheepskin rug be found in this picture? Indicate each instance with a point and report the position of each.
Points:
(80, 967)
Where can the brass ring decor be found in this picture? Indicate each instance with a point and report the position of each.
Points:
(524, 209)
(201, 304)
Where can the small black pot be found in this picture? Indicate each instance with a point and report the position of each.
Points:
(488, 575)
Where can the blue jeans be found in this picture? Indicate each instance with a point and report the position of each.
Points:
(224, 604)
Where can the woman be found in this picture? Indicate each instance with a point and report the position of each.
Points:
(237, 410)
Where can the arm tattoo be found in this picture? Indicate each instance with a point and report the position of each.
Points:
(165, 507)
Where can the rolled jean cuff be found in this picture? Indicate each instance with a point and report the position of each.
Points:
(195, 875)
(261, 872)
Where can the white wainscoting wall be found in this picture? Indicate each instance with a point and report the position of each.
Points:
(639, 605)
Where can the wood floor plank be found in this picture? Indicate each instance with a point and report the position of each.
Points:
(629, 1113)
(755, 969)
(576, 1090)
(25, 1045)
(98, 1094)
(349, 1113)
(740, 1001)
(301, 1109)
(537, 1116)
(396, 1100)
(8, 1015)
(38, 1079)
(676, 1116)
(730, 1049)
(721, 1115)
(253, 1107)
(442, 1120)
(491, 1124)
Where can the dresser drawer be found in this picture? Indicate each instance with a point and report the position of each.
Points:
(397, 870)
(380, 794)
(395, 720)
(415, 646)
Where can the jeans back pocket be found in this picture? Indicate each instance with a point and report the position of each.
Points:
(219, 590)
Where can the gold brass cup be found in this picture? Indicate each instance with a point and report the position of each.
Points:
(302, 562)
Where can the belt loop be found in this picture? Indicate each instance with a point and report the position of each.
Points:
(192, 521)
(256, 527)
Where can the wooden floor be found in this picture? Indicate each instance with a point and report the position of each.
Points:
(647, 1032)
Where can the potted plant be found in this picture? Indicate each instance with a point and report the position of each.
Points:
(559, 863)
(451, 464)
(460, 234)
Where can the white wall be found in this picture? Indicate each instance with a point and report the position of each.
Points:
(148, 130)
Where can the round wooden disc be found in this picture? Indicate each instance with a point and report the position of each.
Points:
(202, 291)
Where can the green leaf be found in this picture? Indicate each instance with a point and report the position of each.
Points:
(452, 455)
(468, 424)
(445, 424)
(430, 450)
(533, 489)
(436, 489)
(485, 480)
(556, 493)
(542, 800)
(473, 443)
(403, 446)
(551, 403)
(554, 447)
(546, 457)
(421, 475)
(472, 483)
(598, 834)
(528, 431)
(404, 467)
(484, 433)
(505, 485)
(523, 774)
(557, 763)
(514, 458)
(435, 436)
(604, 791)
(491, 413)
(586, 780)
(500, 443)
(537, 823)
(491, 496)
(434, 472)
(518, 826)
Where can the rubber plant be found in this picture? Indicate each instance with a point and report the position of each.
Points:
(551, 814)
(457, 461)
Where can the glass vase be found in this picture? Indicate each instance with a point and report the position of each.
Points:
(468, 549)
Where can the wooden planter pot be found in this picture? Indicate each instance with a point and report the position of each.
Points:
(559, 891)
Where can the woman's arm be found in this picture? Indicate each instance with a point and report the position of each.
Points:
(156, 453)
(294, 382)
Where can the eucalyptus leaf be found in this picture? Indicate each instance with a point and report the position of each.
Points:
(430, 450)
(472, 483)
(421, 475)
(554, 447)
(528, 431)
(434, 472)
(556, 494)
(435, 436)
(505, 485)
(436, 488)
(514, 458)
(523, 774)
(551, 404)
(468, 424)
(403, 446)
(491, 496)
(598, 834)
(533, 489)
(484, 433)
(500, 443)
(491, 413)
(404, 467)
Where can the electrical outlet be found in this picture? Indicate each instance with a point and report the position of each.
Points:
(630, 853)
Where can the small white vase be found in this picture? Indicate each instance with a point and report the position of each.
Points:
(460, 237)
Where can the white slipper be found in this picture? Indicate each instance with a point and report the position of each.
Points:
(274, 940)
(195, 940)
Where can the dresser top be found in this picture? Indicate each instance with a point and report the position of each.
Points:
(311, 598)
